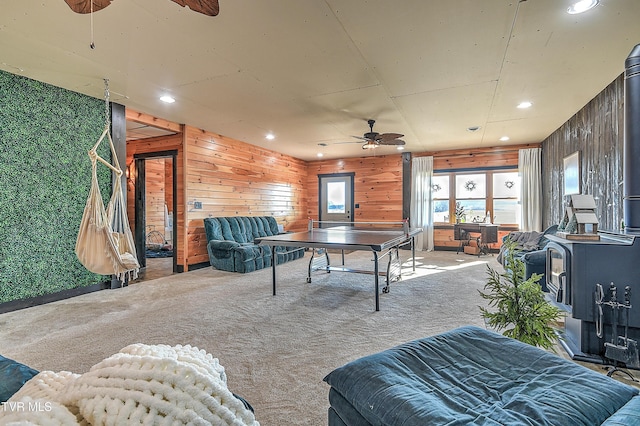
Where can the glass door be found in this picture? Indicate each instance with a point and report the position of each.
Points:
(336, 197)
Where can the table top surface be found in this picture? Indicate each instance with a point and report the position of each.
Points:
(347, 237)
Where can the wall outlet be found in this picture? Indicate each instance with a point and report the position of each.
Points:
(197, 204)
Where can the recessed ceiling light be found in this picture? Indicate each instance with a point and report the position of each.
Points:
(168, 99)
(270, 136)
(320, 154)
(582, 6)
(400, 147)
(504, 138)
(524, 105)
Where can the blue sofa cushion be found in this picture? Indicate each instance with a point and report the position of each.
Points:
(12, 376)
(629, 415)
(474, 376)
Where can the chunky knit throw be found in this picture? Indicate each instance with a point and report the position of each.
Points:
(142, 384)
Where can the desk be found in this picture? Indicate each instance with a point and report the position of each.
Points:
(380, 241)
(488, 235)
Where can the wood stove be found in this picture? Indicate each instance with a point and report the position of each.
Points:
(575, 268)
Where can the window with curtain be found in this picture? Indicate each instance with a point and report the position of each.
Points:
(491, 194)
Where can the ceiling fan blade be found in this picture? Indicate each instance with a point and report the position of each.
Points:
(388, 136)
(206, 7)
(84, 6)
(392, 142)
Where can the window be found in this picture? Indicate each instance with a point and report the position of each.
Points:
(471, 195)
(336, 197)
(506, 197)
(440, 193)
(491, 195)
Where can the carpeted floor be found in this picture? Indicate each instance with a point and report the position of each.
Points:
(276, 350)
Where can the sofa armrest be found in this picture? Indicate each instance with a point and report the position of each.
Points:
(223, 245)
(537, 257)
(222, 249)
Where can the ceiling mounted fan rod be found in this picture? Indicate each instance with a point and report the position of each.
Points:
(92, 45)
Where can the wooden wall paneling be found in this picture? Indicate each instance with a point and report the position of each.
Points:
(377, 186)
(155, 195)
(161, 123)
(232, 178)
(597, 131)
(463, 159)
(158, 144)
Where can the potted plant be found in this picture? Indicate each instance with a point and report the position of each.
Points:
(519, 305)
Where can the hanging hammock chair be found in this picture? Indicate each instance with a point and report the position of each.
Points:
(105, 244)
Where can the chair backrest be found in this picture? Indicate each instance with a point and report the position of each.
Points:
(242, 229)
(549, 231)
(212, 229)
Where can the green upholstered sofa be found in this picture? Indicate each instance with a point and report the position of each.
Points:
(231, 247)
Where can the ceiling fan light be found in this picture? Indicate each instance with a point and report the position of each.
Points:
(369, 145)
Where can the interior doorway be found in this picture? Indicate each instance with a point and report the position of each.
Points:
(336, 197)
(155, 230)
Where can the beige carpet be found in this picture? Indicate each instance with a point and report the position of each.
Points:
(276, 350)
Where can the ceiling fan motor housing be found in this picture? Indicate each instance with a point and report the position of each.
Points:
(371, 135)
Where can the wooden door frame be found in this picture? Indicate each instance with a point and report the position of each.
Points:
(352, 190)
(140, 199)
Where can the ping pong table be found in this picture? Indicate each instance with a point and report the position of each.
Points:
(367, 236)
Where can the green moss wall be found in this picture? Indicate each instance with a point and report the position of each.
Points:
(45, 175)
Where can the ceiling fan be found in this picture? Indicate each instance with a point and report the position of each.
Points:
(206, 7)
(374, 139)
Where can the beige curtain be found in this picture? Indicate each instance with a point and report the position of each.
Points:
(105, 244)
(530, 169)
(422, 201)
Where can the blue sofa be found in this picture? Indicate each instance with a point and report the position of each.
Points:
(473, 376)
(531, 250)
(231, 247)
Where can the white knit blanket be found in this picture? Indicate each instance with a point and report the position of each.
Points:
(142, 384)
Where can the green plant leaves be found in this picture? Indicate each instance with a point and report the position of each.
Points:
(45, 175)
(518, 306)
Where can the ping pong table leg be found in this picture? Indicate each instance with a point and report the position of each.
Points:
(413, 252)
(274, 260)
(375, 274)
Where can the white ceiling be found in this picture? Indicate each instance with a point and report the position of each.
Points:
(313, 71)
